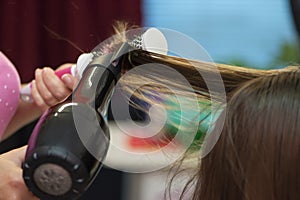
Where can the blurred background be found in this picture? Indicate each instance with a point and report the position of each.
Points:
(34, 33)
(259, 34)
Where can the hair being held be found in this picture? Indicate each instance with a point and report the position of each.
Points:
(257, 154)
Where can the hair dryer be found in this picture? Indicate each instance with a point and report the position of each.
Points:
(70, 141)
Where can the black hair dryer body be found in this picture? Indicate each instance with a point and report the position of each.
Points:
(70, 141)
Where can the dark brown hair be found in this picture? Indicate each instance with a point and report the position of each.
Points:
(258, 153)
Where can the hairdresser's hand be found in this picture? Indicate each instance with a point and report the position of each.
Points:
(12, 186)
(48, 89)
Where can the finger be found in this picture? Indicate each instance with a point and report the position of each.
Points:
(19, 155)
(55, 85)
(38, 99)
(42, 88)
(16, 155)
(69, 81)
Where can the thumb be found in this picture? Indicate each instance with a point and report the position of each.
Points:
(17, 155)
(69, 81)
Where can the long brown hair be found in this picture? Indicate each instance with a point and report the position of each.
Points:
(256, 156)
(258, 153)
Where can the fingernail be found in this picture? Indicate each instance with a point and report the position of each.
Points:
(32, 83)
(66, 78)
(46, 70)
(38, 72)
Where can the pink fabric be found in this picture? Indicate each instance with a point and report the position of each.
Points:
(9, 91)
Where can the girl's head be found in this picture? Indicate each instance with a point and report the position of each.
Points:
(258, 153)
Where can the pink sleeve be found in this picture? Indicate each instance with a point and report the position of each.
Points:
(9, 92)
